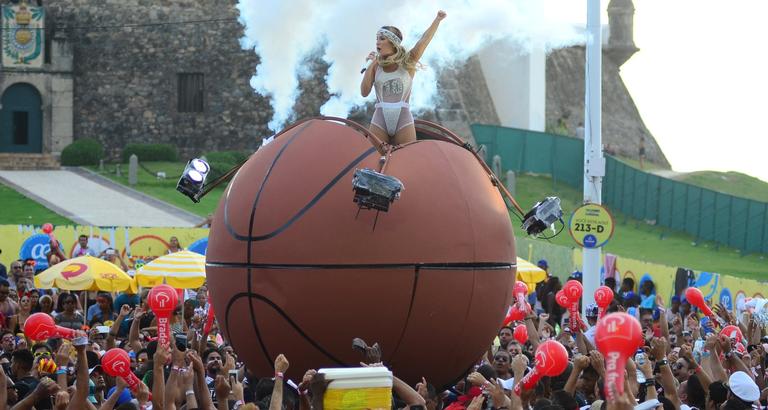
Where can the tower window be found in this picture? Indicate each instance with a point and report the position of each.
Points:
(191, 88)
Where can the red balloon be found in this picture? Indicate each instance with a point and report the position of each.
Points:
(696, 298)
(603, 299)
(573, 290)
(603, 296)
(521, 334)
(617, 336)
(520, 290)
(562, 299)
(116, 363)
(516, 314)
(162, 300)
(40, 326)
(732, 332)
(47, 228)
(551, 360)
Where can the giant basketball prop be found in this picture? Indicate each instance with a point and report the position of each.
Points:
(295, 267)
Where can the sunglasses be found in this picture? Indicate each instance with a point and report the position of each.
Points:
(501, 358)
(42, 354)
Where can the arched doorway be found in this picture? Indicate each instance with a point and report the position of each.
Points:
(21, 119)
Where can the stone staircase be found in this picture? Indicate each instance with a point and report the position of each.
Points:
(464, 99)
(27, 161)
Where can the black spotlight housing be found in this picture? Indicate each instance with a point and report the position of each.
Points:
(193, 178)
(543, 214)
(374, 190)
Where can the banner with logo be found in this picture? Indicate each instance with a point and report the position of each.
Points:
(135, 245)
(23, 42)
(716, 287)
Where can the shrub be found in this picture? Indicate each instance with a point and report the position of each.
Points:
(151, 152)
(223, 161)
(84, 151)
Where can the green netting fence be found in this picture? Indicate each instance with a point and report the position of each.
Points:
(703, 213)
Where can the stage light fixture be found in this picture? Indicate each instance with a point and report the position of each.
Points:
(192, 179)
(543, 215)
(374, 190)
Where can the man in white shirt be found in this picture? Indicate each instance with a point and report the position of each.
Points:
(82, 249)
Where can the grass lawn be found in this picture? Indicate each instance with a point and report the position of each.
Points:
(165, 189)
(636, 239)
(733, 183)
(18, 209)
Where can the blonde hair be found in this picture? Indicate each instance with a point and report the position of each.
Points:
(401, 57)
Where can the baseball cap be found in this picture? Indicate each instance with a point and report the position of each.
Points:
(592, 310)
(125, 396)
(542, 263)
(743, 387)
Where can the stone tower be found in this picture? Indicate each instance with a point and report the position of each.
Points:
(621, 43)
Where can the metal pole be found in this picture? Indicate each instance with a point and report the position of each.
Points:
(594, 162)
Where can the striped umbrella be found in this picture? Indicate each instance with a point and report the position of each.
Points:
(85, 273)
(181, 270)
(529, 273)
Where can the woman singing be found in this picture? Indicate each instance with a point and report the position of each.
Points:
(391, 72)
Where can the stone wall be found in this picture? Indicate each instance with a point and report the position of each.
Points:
(622, 125)
(127, 55)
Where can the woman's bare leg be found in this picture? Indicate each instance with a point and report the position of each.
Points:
(405, 135)
(381, 135)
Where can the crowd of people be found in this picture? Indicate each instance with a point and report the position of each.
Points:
(684, 362)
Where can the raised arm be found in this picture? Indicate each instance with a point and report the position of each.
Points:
(281, 366)
(81, 379)
(658, 350)
(125, 310)
(423, 42)
(579, 363)
(110, 403)
(158, 376)
(133, 332)
(367, 83)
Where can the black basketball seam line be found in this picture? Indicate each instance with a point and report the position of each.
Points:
(250, 236)
(317, 198)
(410, 310)
(251, 296)
(467, 208)
(231, 230)
(426, 266)
(301, 212)
(255, 325)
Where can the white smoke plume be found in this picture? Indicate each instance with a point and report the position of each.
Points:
(283, 32)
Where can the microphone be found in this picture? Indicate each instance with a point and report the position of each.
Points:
(366, 64)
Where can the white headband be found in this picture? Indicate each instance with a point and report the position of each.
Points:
(389, 35)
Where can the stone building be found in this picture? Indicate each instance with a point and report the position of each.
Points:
(135, 71)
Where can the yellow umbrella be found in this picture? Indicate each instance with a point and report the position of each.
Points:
(85, 273)
(529, 273)
(181, 270)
